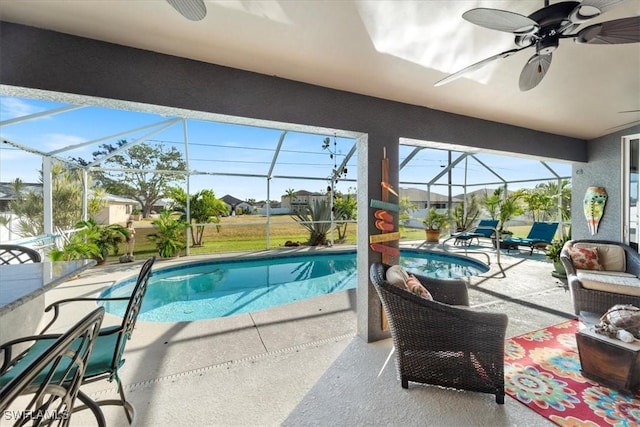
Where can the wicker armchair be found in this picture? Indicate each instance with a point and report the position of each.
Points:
(598, 301)
(441, 344)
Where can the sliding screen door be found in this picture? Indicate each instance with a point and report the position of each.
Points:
(631, 161)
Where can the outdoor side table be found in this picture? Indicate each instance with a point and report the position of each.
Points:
(609, 361)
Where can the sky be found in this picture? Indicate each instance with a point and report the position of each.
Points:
(216, 149)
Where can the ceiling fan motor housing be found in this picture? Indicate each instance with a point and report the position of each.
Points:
(552, 21)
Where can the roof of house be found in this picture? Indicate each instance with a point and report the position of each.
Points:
(230, 200)
(7, 191)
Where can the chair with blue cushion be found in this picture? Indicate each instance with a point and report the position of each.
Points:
(106, 358)
(485, 229)
(540, 235)
(44, 388)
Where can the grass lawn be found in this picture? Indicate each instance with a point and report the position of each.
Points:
(249, 233)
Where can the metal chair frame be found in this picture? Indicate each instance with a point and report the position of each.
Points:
(22, 254)
(54, 378)
(122, 334)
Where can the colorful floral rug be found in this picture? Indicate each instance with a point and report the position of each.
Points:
(542, 371)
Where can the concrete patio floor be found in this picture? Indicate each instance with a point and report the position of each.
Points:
(303, 365)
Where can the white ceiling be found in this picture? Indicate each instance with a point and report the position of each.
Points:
(389, 49)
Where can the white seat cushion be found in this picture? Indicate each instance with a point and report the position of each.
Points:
(619, 283)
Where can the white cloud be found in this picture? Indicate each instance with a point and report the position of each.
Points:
(15, 107)
(55, 141)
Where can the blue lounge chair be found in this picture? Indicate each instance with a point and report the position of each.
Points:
(540, 235)
(485, 228)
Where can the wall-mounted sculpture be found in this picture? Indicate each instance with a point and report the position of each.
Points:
(595, 199)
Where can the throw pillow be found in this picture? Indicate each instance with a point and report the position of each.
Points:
(397, 276)
(585, 258)
(414, 286)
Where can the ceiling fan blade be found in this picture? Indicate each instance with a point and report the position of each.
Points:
(601, 5)
(194, 10)
(501, 20)
(618, 31)
(477, 66)
(589, 9)
(534, 71)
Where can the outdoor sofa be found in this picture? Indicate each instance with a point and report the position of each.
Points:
(601, 274)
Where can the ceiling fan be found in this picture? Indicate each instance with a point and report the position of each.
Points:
(193, 10)
(543, 30)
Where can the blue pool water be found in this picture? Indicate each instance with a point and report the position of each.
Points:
(219, 288)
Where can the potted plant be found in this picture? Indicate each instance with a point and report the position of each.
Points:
(169, 236)
(434, 223)
(552, 252)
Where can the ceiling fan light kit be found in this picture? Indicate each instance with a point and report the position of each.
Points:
(543, 30)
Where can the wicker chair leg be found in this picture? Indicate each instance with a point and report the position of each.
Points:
(405, 382)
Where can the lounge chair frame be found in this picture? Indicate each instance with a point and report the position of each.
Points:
(540, 235)
(486, 228)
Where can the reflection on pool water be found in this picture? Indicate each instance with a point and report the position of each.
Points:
(219, 288)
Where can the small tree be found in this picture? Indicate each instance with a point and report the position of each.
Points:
(204, 208)
(406, 207)
(345, 208)
(169, 236)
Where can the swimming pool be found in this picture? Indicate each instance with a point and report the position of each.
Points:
(220, 288)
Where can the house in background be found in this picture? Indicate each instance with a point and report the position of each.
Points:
(298, 202)
(236, 205)
(118, 210)
(422, 199)
(7, 192)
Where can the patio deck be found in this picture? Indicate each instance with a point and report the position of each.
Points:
(303, 365)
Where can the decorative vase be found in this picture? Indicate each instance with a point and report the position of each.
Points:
(595, 200)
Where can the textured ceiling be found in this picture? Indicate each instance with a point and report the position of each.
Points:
(395, 50)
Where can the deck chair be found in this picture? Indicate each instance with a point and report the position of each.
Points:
(540, 235)
(107, 356)
(50, 383)
(15, 254)
(485, 228)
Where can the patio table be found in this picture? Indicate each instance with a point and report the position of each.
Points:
(22, 289)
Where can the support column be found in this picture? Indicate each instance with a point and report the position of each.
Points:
(370, 154)
(47, 198)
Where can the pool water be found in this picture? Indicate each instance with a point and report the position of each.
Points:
(218, 288)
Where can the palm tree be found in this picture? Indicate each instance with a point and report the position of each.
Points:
(290, 192)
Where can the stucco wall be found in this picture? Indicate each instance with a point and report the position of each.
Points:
(604, 169)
